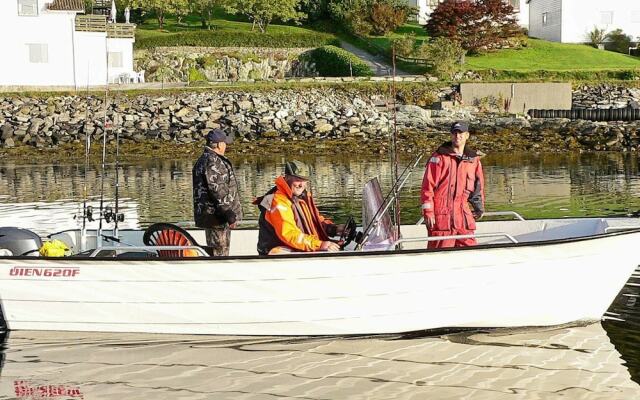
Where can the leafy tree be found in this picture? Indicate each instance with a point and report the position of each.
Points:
(597, 36)
(369, 16)
(180, 8)
(262, 12)
(159, 7)
(476, 24)
(205, 9)
(620, 41)
(387, 16)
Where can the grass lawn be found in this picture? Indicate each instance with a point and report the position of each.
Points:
(539, 55)
(550, 56)
(221, 22)
(412, 27)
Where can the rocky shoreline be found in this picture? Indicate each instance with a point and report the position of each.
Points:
(309, 119)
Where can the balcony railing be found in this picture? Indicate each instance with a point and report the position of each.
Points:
(120, 31)
(98, 23)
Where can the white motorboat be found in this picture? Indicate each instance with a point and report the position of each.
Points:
(522, 273)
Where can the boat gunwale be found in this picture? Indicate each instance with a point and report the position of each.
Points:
(343, 254)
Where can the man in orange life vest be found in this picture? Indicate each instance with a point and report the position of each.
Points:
(289, 219)
(453, 180)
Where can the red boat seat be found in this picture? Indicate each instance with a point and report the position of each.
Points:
(164, 234)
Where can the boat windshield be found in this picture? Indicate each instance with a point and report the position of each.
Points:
(383, 233)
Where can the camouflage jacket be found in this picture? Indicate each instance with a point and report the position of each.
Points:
(216, 200)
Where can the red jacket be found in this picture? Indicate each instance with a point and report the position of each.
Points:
(450, 184)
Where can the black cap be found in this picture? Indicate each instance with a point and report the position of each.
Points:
(298, 169)
(217, 136)
(460, 126)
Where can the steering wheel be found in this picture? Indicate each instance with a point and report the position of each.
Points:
(348, 233)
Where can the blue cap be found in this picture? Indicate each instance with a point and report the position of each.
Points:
(217, 136)
(460, 126)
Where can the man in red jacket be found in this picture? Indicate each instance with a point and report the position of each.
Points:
(452, 181)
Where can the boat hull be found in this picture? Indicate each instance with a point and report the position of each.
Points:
(359, 293)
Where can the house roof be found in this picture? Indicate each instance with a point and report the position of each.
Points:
(66, 5)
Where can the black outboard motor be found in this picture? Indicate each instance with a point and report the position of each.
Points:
(20, 242)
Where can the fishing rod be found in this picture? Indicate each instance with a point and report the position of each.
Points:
(117, 216)
(87, 211)
(394, 138)
(386, 203)
(104, 155)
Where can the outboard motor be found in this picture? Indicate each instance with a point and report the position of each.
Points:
(20, 242)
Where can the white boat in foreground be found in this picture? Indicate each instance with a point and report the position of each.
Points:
(523, 273)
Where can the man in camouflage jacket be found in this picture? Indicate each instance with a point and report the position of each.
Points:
(216, 202)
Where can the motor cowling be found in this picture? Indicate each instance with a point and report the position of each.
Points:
(20, 242)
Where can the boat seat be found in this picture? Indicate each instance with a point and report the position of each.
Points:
(164, 234)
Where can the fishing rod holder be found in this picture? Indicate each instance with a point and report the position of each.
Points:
(110, 216)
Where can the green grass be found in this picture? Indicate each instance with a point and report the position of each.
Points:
(540, 60)
(220, 23)
(550, 56)
(384, 42)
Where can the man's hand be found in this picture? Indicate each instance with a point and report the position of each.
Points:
(429, 219)
(329, 246)
(234, 225)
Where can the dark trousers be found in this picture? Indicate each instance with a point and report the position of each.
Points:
(219, 239)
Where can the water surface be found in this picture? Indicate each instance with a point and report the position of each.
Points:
(597, 361)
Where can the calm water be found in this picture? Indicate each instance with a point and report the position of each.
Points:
(598, 361)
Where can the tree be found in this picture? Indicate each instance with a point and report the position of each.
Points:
(620, 41)
(262, 12)
(387, 15)
(597, 36)
(476, 24)
(180, 8)
(205, 9)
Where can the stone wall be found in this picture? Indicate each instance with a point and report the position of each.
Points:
(606, 96)
(183, 64)
(301, 114)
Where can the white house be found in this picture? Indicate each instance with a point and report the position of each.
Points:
(49, 43)
(570, 21)
(426, 7)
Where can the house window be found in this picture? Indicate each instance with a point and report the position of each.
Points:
(38, 53)
(545, 19)
(606, 17)
(115, 59)
(28, 7)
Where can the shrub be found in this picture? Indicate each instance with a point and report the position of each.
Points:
(386, 17)
(619, 41)
(444, 55)
(364, 17)
(477, 24)
(597, 36)
(405, 46)
(334, 61)
(233, 39)
(195, 75)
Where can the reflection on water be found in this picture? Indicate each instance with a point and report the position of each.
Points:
(586, 362)
(160, 190)
(568, 362)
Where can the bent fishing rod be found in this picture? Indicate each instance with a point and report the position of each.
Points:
(388, 201)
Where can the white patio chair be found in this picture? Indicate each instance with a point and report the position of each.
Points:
(140, 76)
